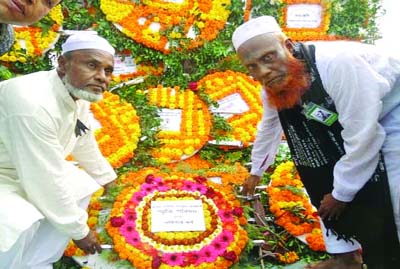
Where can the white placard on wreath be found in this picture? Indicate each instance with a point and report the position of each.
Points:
(304, 16)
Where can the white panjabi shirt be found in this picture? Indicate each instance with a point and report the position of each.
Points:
(359, 79)
(37, 133)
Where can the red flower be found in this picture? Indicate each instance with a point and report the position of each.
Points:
(237, 211)
(156, 262)
(193, 86)
(230, 255)
(210, 193)
(200, 179)
(117, 221)
(149, 179)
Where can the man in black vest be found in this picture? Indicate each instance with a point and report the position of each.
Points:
(338, 104)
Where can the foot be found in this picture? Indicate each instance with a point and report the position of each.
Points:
(350, 260)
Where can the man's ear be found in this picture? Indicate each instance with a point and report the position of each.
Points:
(62, 62)
(289, 45)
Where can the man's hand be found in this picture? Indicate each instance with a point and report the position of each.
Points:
(89, 244)
(250, 184)
(331, 208)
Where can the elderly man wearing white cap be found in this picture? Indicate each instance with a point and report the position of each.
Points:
(43, 119)
(20, 13)
(349, 159)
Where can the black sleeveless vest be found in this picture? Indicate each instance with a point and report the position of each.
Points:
(315, 149)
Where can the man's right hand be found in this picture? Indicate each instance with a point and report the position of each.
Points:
(250, 184)
(88, 244)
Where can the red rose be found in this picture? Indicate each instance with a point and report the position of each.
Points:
(210, 193)
(237, 211)
(117, 221)
(230, 255)
(200, 179)
(149, 179)
(156, 262)
(193, 86)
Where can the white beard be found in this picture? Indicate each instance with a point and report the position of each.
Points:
(81, 93)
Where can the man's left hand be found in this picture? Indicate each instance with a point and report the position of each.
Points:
(331, 208)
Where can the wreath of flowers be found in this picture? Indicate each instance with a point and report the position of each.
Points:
(164, 24)
(219, 246)
(304, 34)
(33, 41)
(120, 129)
(220, 85)
(291, 206)
(194, 128)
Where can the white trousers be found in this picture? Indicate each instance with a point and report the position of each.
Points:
(38, 247)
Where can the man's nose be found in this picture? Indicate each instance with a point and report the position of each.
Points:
(101, 75)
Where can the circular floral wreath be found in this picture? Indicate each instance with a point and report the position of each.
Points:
(219, 246)
(291, 206)
(120, 129)
(32, 41)
(160, 24)
(220, 85)
(194, 128)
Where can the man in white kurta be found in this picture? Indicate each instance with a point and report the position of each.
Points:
(38, 187)
(364, 85)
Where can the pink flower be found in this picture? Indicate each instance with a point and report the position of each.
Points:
(188, 185)
(207, 254)
(237, 211)
(226, 237)
(226, 216)
(174, 259)
(230, 256)
(147, 188)
(138, 197)
(193, 86)
(117, 221)
(156, 262)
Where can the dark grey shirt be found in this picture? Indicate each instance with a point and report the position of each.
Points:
(6, 37)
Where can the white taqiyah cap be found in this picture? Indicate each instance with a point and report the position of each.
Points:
(87, 41)
(254, 27)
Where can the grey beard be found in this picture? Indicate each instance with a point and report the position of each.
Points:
(81, 93)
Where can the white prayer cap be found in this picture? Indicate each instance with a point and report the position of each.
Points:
(87, 41)
(254, 27)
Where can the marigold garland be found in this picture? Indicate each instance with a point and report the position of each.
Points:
(194, 128)
(164, 24)
(32, 41)
(291, 206)
(120, 129)
(304, 34)
(219, 246)
(220, 85)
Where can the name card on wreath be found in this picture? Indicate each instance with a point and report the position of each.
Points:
(170, 119)
(177, 216)
(230, 105)
(306, 19)
(124, 65)
(304, 16)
